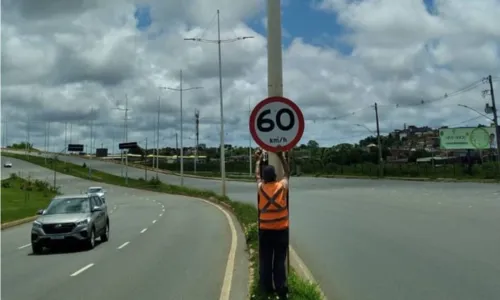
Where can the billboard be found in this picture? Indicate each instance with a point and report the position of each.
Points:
(101, 152)
(467, 138)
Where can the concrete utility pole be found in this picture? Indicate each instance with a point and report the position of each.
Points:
(180, 90)
(275, 80)
(197, 122)
(494, 110)
(218, 41)
(380, 158)
(250, 171)
(274, 65)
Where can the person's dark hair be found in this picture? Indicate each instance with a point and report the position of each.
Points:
(268, 174)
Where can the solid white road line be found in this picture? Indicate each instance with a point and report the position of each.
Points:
(24, 246)
(82, 270)
(228, 274)
(154, 221)
(144, 230)
(123, 245)
(303, 269)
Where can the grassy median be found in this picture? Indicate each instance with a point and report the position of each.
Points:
(246, 214)
(22, 198)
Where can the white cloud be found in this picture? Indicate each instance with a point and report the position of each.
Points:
(62, 59)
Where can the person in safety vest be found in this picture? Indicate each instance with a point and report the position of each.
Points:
(273, 227)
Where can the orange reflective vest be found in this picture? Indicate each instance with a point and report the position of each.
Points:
(273, 208)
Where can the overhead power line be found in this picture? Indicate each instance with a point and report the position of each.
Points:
(462, 90)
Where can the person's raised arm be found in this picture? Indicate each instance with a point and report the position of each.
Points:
(258, 154)
(286, 169)
(284, 163)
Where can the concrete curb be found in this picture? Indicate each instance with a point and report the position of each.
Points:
(18, 222)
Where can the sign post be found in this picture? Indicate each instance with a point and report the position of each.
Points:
(128, 146)
(277, 125)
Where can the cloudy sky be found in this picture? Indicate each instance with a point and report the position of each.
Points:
(69, 62)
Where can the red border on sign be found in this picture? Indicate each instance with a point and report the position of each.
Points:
(300, 131)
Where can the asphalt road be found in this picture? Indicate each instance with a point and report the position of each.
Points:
(160, 247)
(383, 239)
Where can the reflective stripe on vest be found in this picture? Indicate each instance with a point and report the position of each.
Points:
(273, 209)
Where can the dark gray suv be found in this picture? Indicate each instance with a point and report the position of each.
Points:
(71, 218)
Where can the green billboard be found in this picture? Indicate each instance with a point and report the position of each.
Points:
(467, 138)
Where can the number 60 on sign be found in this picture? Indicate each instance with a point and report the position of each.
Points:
(276, 124)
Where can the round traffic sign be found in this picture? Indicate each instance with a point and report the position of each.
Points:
(276, 124)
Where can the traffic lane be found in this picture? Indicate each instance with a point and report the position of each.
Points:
(326, 254)
(169, 261)
(115, 196)
(300, 183)
(308, 242)
(28, 275)
(116, 169)
(364, 245)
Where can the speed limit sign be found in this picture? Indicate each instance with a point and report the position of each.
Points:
(276, 124)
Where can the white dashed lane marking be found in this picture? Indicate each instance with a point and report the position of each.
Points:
(123, 245)
(24, 246)
(144, 230)
(82, 270)
(154, 221)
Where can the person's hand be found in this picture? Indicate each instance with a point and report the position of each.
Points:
(281, 155)
(258, 154)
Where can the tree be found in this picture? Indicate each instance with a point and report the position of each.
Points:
(20, 146)
(312, 144)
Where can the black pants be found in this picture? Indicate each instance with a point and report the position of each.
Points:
(273, 246)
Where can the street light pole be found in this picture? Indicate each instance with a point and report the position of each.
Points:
(66, 136)
(218, 41)
(379, 146)
(180, 90)
(380, 158)
(156, 158)
(125, 129)
(197, 123)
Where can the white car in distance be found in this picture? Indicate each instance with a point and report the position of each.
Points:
(97, 190)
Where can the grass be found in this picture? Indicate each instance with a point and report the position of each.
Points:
(22, 198)
(245, 213)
